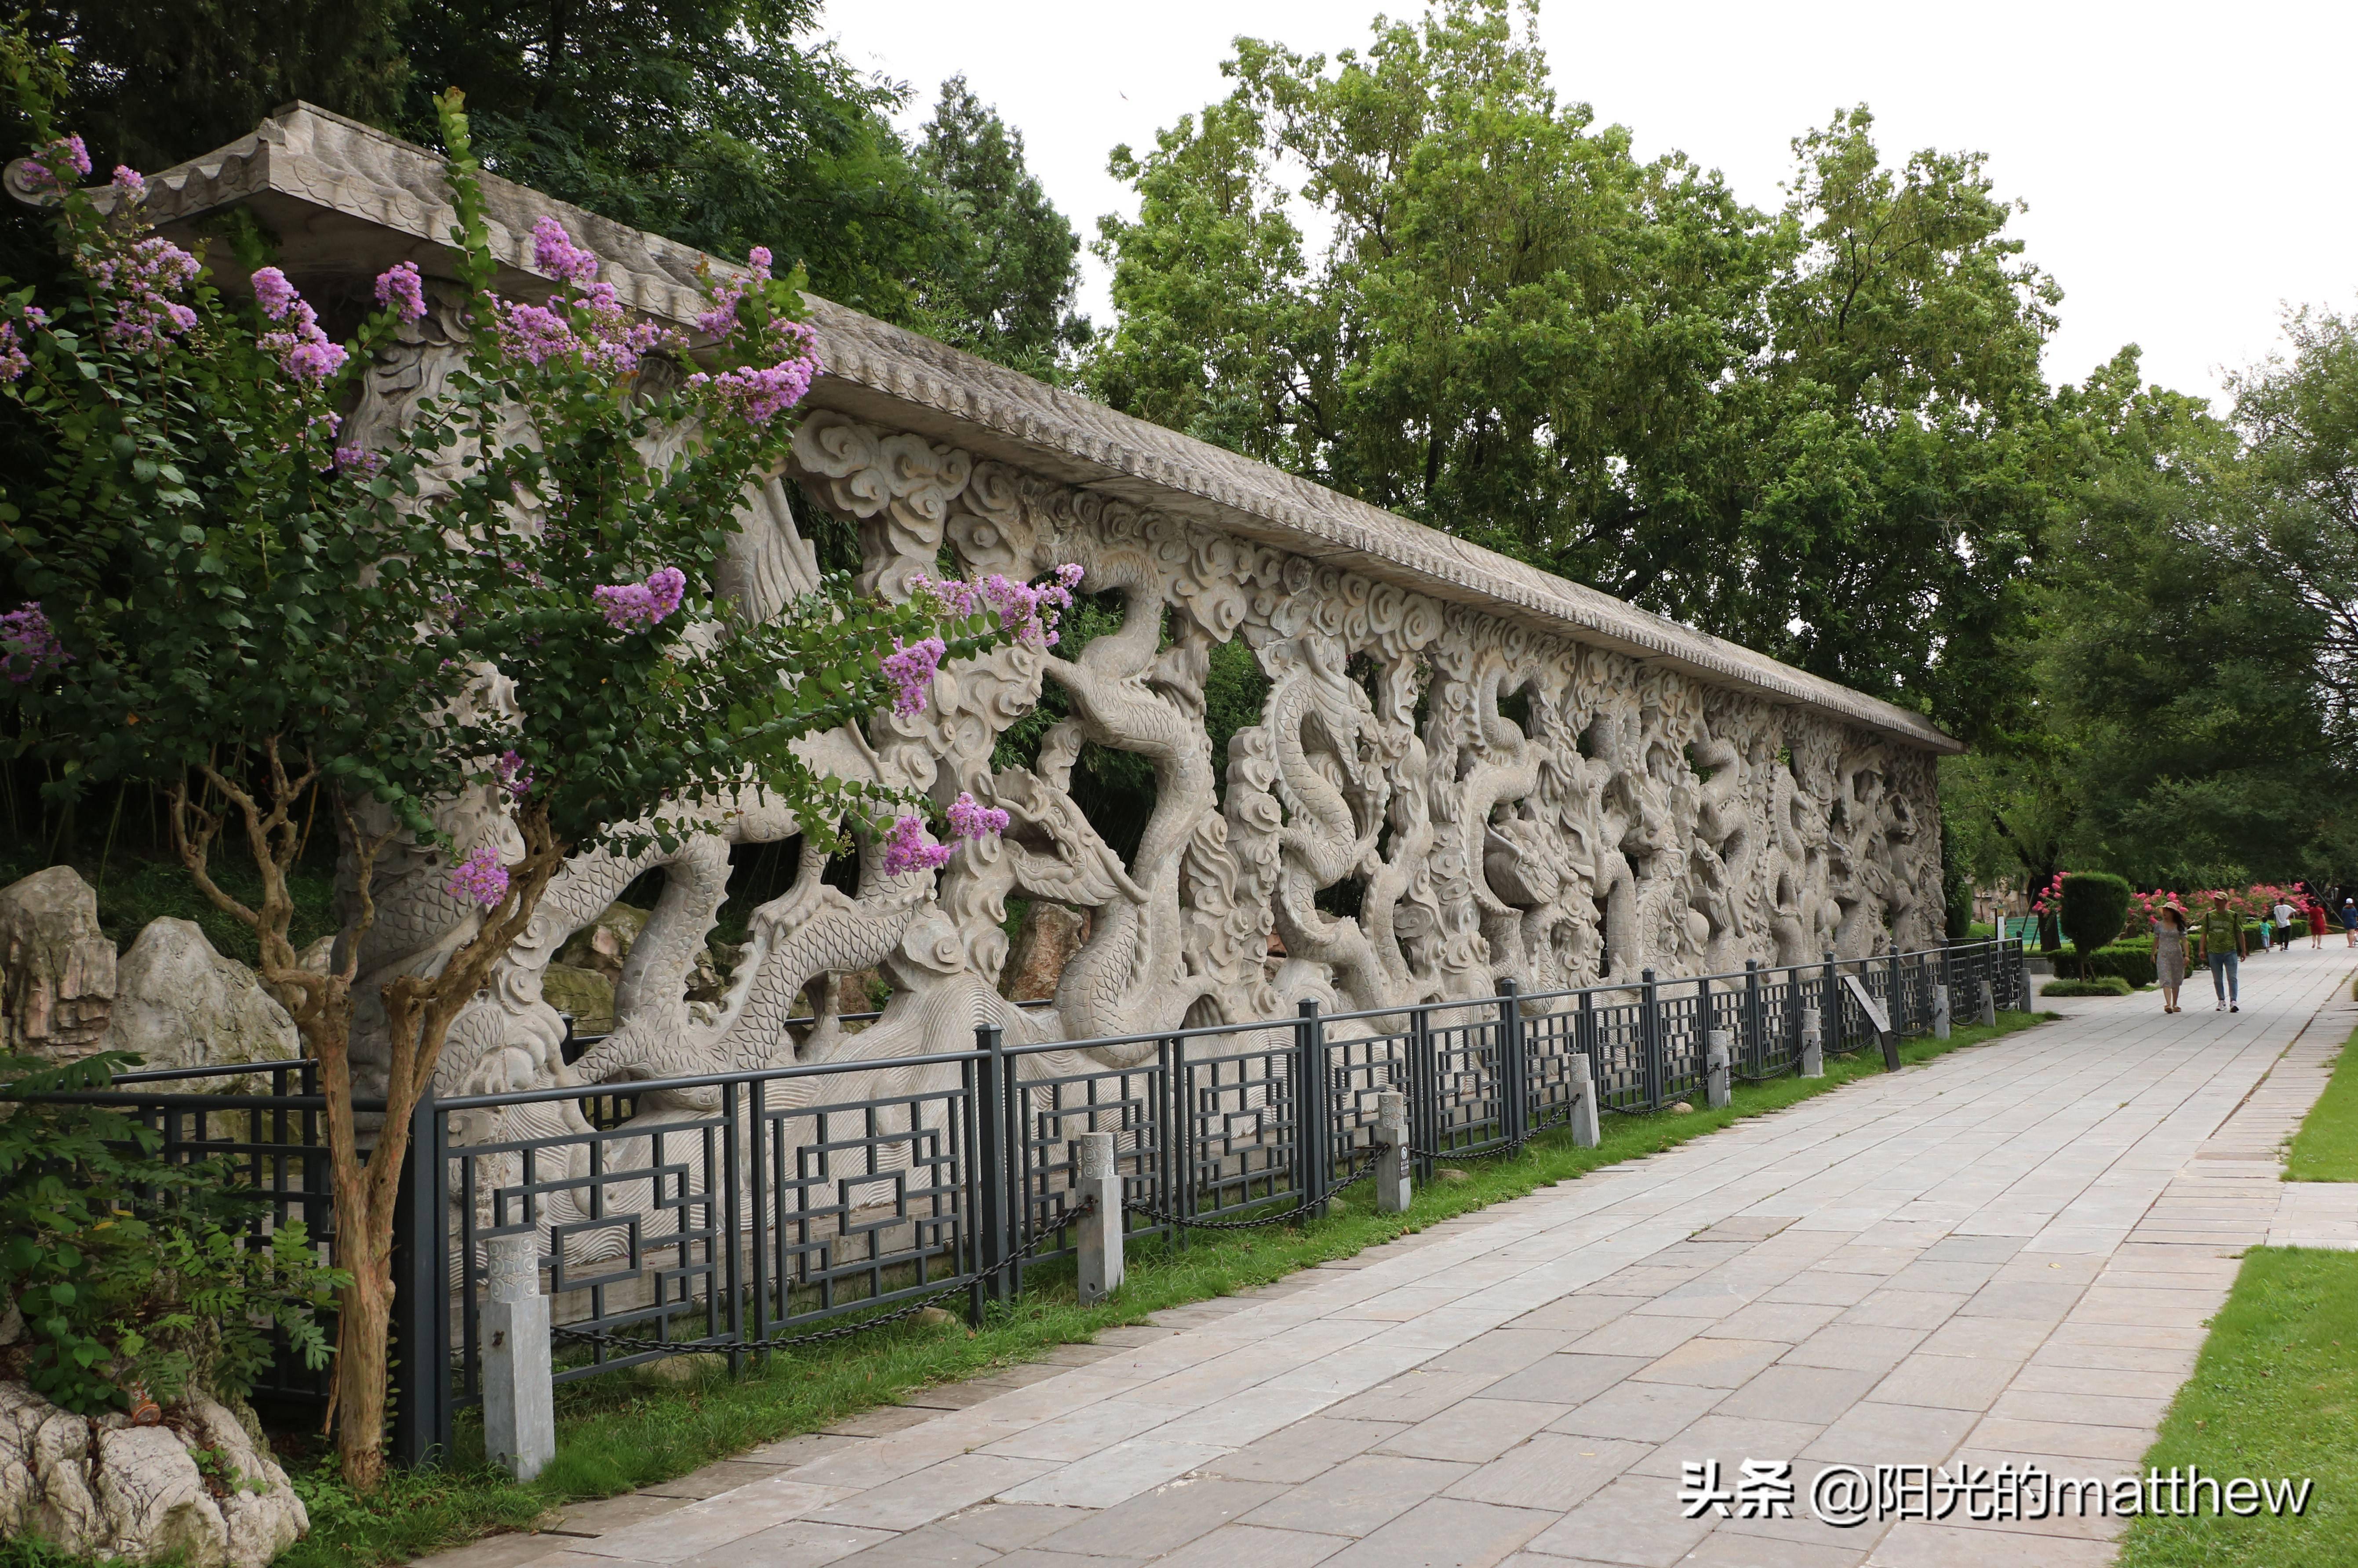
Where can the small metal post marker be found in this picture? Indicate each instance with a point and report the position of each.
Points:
(1585, 1133)
(519, 1402)
(1392, 1188)
(1717, 1047)
(1941, 1021)
(1100, 1238)
(1813, 1044)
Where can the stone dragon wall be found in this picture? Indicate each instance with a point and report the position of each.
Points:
(1495, 802)
(1495, 771)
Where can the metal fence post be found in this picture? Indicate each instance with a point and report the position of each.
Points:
(420, 1354)
(991, 1196)
(1900, 1018)
(1310, 1173)
(1514, 1076)
(1424, 1090)
(1649, 1034)
(730, 1223)
(1176, 1153)
(1832, 1035)
(1756, 1044)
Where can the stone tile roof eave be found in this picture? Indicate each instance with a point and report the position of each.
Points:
(341, 168)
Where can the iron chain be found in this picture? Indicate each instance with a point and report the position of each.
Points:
(1163, 1216)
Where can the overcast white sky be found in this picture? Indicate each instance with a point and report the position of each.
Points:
(2189, 168)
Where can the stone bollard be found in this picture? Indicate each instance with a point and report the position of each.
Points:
(1586, 1132)
(1719, 1047)
(1392, 1190)
(1939, 1013)
(1813, 1045)
(519, 1402)
(1987, 993)
(1100, 1228)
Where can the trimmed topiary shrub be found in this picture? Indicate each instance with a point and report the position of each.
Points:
(2130, 961)
(2110, 985)
(2095, 903)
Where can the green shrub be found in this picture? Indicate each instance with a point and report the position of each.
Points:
(2109, 985)
(2096, 905)
(2133, 962)
(134, 1272)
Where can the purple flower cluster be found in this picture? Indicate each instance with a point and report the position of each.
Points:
(911, 670)
(130, 183)
(1029, 611)
(304, 352)
(400, 288)
(553, 252)
(514, 776)
(633, 605)
(358, 458)
(46, 169)
(588, 320)
(971, 820)
(28, 644)
(13, 359)
(145, 277)
(909, 848)
(720, 316)
(480, 878)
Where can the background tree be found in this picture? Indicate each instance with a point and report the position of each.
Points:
(1820, 432)
(1005, 285)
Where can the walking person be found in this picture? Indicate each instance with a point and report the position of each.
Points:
(2222, 936)
(2350, 918)
(2284, 911)
(2316, 913)
(2169, 952)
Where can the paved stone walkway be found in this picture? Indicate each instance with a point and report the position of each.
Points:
(2007, 1252)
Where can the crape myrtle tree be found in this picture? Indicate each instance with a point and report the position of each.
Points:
(511, 606)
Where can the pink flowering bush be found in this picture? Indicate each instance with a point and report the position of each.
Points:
(215, 588)
(28, 647)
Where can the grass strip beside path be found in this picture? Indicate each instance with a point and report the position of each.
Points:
(627, 1430)
(2326, 1147)
(2275, 1394)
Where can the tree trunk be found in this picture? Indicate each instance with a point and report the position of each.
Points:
(364, 1328)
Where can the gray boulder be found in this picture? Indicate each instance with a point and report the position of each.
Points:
(57, 967)
(179, 1003)
(198, 1490)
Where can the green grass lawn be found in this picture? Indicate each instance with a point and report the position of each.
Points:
(2275, 1394)
(2326, 1147)
(627, 1430)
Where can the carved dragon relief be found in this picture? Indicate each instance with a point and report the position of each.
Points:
(1434, 798)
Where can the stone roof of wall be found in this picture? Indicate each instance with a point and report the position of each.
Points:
(347, 201)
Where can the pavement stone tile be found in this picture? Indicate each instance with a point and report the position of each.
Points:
(1551, 1467)
(1307, 1448)
(1359, 1496)
(1714, 1363)
(1446, 1532)
(1478, 1431)
(1252, 1546)
(1872, 1433)
(1636, 1520)
(1564, 1378)
(1784, 1392)
(1947, 1382)
(1579, 1313)
(1639, 1412)
(1163, 1519)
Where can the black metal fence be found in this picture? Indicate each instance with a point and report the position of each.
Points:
(735, 1214)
